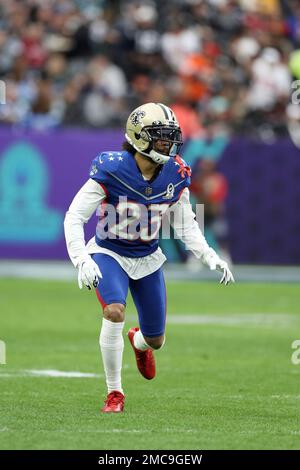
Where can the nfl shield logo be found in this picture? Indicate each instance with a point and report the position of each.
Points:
(148, 191)
(170, 191)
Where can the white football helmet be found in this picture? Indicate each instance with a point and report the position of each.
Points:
(153, 122)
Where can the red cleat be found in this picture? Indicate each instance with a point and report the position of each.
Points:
(144, 359)
(114, 403)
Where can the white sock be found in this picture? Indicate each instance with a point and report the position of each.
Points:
(112, 345)
(139, 341)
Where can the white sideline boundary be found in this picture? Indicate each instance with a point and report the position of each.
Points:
(50, 373)
(64, 271)
(248, 319)
(115, 430)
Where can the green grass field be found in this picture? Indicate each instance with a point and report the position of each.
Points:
(225, 377)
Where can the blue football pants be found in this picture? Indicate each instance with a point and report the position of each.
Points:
(148, 293)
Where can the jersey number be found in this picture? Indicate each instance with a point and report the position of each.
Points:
(136, 221)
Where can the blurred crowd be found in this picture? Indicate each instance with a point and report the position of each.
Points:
(226, 67)
(223, 65)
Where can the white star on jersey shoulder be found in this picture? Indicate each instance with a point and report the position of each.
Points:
(119, 158)
(111, 158)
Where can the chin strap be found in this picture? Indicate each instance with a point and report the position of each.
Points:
(158, 157)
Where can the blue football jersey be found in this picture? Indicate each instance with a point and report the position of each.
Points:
(130, 216)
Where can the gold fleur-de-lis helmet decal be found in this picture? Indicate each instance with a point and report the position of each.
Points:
(136, 117)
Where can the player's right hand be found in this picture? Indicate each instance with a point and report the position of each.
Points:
(89, 273)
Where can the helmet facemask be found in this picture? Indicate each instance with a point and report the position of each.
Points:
(162, 133)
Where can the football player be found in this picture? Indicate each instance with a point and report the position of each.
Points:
(133, 189)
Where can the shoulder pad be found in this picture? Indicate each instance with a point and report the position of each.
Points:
(106, 161)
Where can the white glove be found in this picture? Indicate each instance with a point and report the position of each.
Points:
(88, 272)
(214, 262)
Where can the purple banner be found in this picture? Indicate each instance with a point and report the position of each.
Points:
(263, 206)
(40, 174)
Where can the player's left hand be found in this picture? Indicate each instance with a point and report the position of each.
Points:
(214, 262)
(222, 266)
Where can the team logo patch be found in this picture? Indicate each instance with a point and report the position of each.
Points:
(94, 170)
(170, 191)
(136, 117)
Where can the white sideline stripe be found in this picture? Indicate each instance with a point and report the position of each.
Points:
(51, 373)
(255, 397)
(132, 431)
(109, 431)
(63, 270)
(253, 319)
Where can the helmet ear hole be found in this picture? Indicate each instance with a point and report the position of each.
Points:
(137, 136)
(144, 135)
